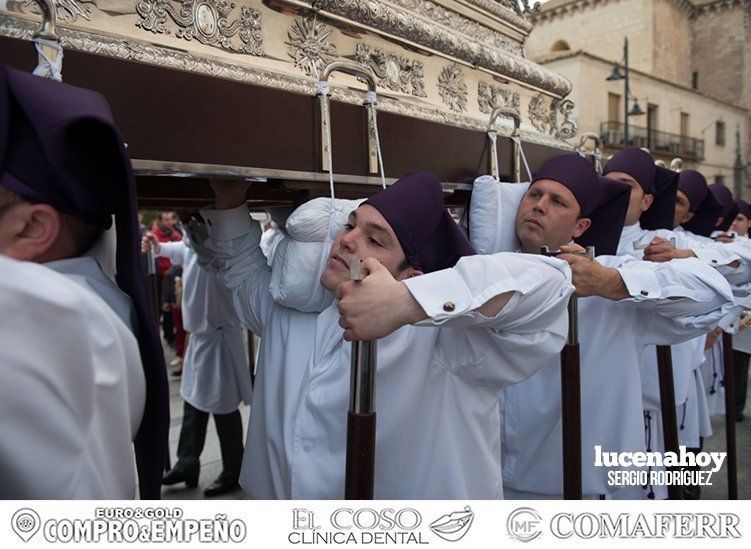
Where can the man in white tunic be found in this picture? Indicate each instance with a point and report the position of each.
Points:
(625, 305)
(216, 378)
(64, 178)
(485, 322)
(72, 390)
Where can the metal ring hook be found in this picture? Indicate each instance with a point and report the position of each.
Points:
(351, 68)
(507, 112)
(48, 30)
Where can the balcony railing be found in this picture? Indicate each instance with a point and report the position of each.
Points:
(669, 144)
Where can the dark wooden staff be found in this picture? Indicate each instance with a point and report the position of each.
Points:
(361, 417)
(667, 407)
(151, 287)
(727, 353)
(571, 398)
(667, 400)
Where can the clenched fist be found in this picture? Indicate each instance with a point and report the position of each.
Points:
(376, 306)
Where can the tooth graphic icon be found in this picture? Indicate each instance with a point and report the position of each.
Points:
(25, 523)
(454, 526)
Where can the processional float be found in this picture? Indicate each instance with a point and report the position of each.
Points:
(204, 89)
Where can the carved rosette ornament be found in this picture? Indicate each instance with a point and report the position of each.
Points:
(491, 97)
(309, 45)
(452, 88)
(393, 71)
(207, 21)
(543, 113)
(67, 10)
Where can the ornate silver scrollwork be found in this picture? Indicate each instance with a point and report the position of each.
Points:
(429, 24)
(68, 10)
(207, 21)
(491, 97)
(567, 128)
(525, 6)
(543, 113)
(309, 45)
(393, 71)
(452, 88)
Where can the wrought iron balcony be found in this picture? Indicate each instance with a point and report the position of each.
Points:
(669, 144)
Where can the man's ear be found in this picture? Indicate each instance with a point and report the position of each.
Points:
(688, 217)
(31, 232)
(581, 225)
(646, 202)
(409, 272)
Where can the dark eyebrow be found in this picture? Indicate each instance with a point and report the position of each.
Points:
(353, 215)
(381, 230)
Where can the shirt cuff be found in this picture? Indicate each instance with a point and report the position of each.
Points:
(641, 284)
(715, 258)
(227, 224)
(442, 294)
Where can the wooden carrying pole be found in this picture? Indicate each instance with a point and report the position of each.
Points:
(571, 398)
(727, 352)
(361, 417)
(667, 408)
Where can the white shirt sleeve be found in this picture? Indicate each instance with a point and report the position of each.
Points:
(174, 251)
(677, 300)
(520, 339)
(228, 246)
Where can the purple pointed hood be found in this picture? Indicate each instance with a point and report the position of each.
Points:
(705, 206)
(729, 209)
(414, 208)
(660, 182)
(604, 201)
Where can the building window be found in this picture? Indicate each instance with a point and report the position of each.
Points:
(719, 138)
(652, 125)
(560, 45)
(614, 107)
(695, 80)
(719, 179)
(685, 117)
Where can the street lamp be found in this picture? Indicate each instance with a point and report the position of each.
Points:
(616, 74)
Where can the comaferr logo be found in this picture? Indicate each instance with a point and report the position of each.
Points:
(644, 525)
(524, 524)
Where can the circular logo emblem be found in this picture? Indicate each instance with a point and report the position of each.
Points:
(523, 524)
(25, 523)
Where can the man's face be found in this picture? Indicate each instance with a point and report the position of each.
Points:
(367, 234)
(548, 216)
(740, 224)
(167, 221)
(682, 206)
(639, 201)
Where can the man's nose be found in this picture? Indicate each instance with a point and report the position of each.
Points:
(349, 241)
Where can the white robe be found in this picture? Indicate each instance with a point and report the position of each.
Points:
(216, 378)
(72, 390)
(436, 385)
(613, 335)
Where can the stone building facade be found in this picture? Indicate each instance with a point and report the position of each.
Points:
(690, 64)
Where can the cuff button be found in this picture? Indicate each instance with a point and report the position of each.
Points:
(644, 292)
(449, 306)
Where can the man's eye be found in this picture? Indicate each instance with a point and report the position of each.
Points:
(348, 226)
(559, 202)
(374, 242)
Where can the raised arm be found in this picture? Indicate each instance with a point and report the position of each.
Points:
(502, 316)
(228, 245)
